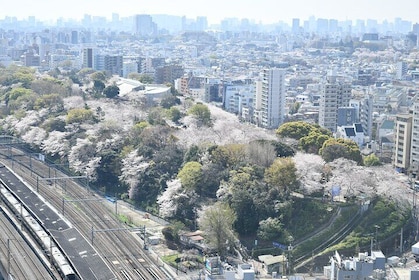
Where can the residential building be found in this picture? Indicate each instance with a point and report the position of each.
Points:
(365, 115)
(88, 58)
(347, 116)
(272, 98)
(414, 157)
(168, 74)
(402, 145)
(114, 64)
(361, 267)
(351, 132)
(335, 94)
(238, 96)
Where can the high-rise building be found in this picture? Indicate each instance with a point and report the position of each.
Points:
(365, 115)
(144, 26)
(295, 25)
(403, 143)
(88, 58)
(414, 156)
(270, 96)
(335, 94)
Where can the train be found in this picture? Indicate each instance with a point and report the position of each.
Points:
(42, 236)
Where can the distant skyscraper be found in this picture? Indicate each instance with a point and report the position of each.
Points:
(144, 26)
(74, 37)
(201, 23)
(272, 98)
(295, 25)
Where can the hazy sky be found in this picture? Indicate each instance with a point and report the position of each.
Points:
(267, 11)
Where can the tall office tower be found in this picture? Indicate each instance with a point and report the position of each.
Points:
(272, 103)
(402, 142)
(74, 37)
(333, 25)
(322, 26)
(335, 94)
(144, 26)
(295, 25)
(414, 156)
(88, 58)
(201, 23)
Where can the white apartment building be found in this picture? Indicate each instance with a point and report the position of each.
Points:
(335, 94)
(238, 96)
(402, 145)
(414, 153)
(270, 98)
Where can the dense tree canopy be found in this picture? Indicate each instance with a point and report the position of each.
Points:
(111, 91)
(282, 174)
(191, 175)
(340, 148)
(201, 113)
(216, 221)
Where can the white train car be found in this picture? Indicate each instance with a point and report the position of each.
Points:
(41, 235)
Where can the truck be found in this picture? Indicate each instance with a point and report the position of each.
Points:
(415, 251)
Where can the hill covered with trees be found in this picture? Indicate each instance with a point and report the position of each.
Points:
(187, 161)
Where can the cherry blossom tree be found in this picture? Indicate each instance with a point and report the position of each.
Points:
(132, 165)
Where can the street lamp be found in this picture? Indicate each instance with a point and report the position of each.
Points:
(290, 248)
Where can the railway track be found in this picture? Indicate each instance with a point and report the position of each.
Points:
(20, 258)
(85, 210)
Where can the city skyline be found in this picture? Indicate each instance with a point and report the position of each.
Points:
(265, 11)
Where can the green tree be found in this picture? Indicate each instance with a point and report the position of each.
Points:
(337, 148)
(372, 160)
(202, 113)
(15, 93)
(243, 205)
(111, 91)
(54, 124)
(191, 175)
(216, 221)
(299, 129)
(283, 150)
(282, 174)
(294, 130)
(230, 156)
(169, 101)
(146, 79)
(98, 86)
(54, 102)
(174, 114)
(313, 141)
(98, 76)
(80, 115)
(270, 229)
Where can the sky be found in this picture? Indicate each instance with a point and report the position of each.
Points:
(265, 11)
